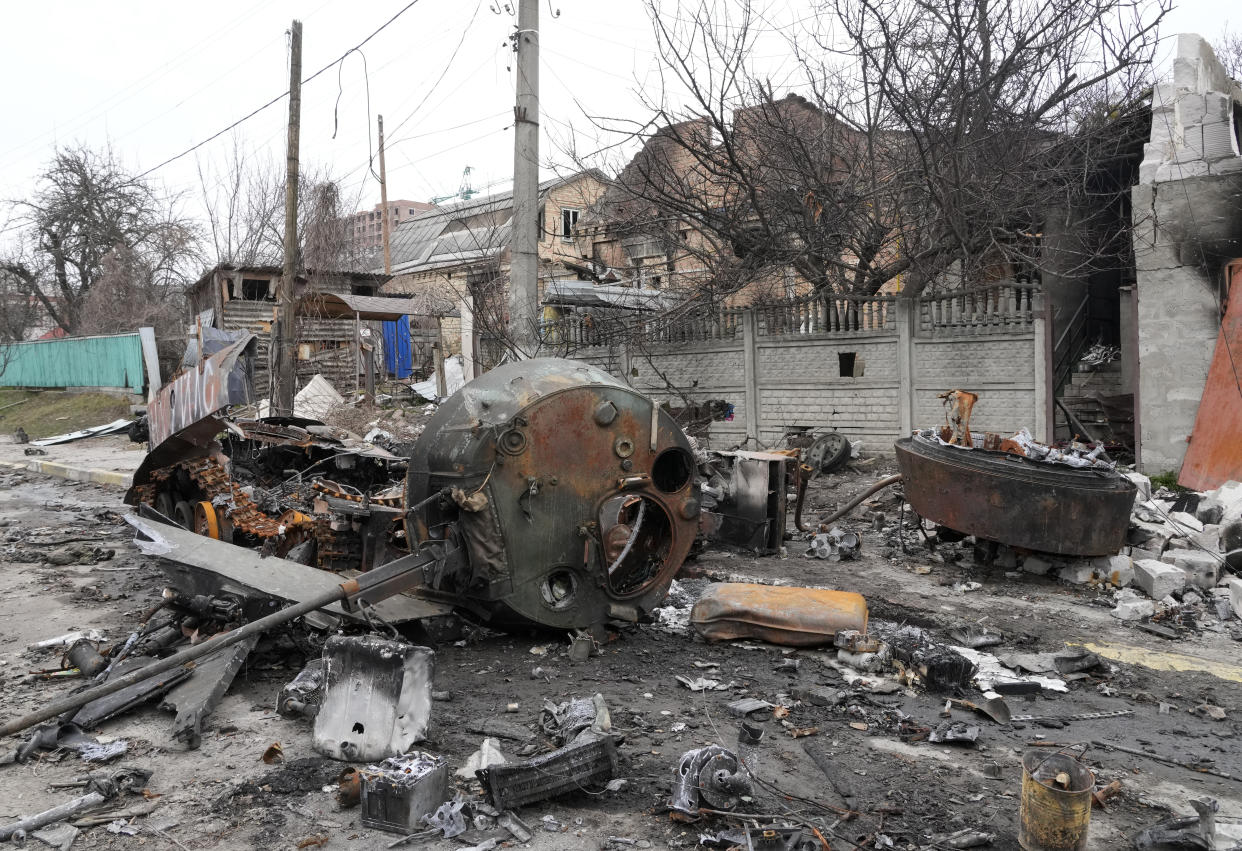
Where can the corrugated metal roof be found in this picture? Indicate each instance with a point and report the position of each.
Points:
(344, 306)
(425, 241)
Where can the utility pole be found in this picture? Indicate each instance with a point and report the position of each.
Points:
(384, 199)
(282, 399)
(524, 247)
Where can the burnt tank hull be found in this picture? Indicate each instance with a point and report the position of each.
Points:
(574, 497)
(1016, 501)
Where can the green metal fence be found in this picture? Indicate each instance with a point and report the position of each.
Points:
(114, 361)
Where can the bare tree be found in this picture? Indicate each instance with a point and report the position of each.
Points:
(1228, 48)
(931, 140)
(244, 195)
(87, 209)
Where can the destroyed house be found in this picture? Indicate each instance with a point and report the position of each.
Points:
(333, 342)
(459, 254)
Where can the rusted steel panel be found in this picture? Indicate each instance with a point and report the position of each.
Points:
(221, 380)
(1016, 501)
(1215, 453)
(798, 617)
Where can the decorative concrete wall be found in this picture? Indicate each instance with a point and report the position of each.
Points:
(1187, 211)
(874, 377)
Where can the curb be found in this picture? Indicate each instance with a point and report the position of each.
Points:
(91, 475)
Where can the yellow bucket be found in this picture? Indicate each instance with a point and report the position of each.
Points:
(1054, 817)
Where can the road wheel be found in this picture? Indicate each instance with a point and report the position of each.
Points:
(206, 523)
(183, 513)
(165, 504)
(828, 452)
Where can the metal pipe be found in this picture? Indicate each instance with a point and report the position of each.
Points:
(80, 699)
(849, 506)
(55, 814)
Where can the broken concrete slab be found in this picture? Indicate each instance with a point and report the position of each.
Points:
(1131, 606)
(1142, 483)
(1186, 520)
(1202, 569)
(1235, 596)
(1158, 579)
(1208, 539)
(1117, 570)
(1078, 572)
(1036, 565)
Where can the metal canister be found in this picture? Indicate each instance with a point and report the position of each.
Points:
(1056, 802)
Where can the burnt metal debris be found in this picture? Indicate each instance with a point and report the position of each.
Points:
(1014, 499)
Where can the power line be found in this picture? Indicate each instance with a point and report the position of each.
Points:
(279, 97)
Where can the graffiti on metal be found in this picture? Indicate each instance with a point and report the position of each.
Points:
(221, 380)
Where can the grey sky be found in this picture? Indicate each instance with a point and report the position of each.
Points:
(157, 77)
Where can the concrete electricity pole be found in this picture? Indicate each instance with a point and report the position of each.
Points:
(282, 398)
(524, 247)
(384, 199)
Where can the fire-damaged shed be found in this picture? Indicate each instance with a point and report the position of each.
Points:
(243, 298)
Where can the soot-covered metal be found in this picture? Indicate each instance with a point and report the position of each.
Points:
(573, 496)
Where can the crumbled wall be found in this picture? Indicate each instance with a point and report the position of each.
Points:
(1187, 210)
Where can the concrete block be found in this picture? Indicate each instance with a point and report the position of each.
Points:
(1136, 553)
(1202, 570)
(1232, 165)
(1117, 570)
(1217, 107)
(1235, 596)
(1191, 109)
(1218, 142)
(1036, 565)
(1229, 495)
(1142, 483)
(1077, 572)
(1150, 536)
(1190, 167)
(1157, 579)
(1133, 610)
(1210, 510)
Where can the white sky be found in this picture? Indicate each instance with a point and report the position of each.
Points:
(154, 78)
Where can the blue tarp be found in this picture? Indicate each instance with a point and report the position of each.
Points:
(398, 354)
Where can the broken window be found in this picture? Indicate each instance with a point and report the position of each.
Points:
(569, 219)
(255, 289)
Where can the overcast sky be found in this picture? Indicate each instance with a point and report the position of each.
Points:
(154, 78)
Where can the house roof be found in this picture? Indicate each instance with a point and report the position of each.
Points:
(343, 306)
(443, 237)
(377, 278)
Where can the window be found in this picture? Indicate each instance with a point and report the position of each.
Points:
(411, 211)
(542, 223)
(850, 364)
(362, 289)
(254, 289)
(569, 218)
